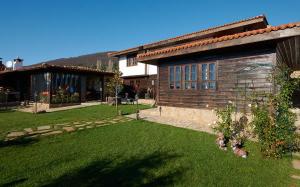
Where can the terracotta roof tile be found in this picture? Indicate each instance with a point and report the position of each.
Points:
(189, 35)
(220, 39)
(212, 28)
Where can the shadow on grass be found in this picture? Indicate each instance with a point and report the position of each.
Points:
(150, 170)
(18, 142)
(2, 110)
(14, 183)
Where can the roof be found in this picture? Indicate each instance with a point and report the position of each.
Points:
(205, 42)
(89, 60)
(182, 38)
(55, 67)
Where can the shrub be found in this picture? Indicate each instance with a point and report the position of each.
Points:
(273, 122)
(225, 122)
(231, 129)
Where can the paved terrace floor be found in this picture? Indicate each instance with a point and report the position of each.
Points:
(82, 105)
(149, 115)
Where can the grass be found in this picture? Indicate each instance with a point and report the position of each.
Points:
(136, 153)
(14, 120)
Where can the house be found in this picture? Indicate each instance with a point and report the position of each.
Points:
(61, 82)
(203, 70)
(139, 77)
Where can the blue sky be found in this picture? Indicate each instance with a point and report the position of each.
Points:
(40, 30)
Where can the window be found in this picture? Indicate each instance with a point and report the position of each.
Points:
(131, 83)
(171, 77)
(190, 77)
(187, 76)
(208, 76)
(177, 77)
(194, 77)
(131, 61)
(212, 76)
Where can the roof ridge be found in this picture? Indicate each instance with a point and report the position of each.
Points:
(211, 28)
(220, 39)
(195, 32)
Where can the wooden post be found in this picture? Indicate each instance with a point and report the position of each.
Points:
(116, 98)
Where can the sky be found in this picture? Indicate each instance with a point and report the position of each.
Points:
(41, 30)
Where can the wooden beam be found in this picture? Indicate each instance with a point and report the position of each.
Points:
(274, 35)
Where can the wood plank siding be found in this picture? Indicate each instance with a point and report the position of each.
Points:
(233, 70)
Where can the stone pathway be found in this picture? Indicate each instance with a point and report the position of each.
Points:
(296, 165)
(50, 130)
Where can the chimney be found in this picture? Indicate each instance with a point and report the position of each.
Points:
(17, 63)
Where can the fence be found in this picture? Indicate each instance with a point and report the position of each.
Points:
(8, 99)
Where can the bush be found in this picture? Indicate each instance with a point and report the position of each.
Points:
(273, 122)
(225, 122)
(231, 129)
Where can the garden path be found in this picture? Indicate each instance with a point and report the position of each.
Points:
(48, 130)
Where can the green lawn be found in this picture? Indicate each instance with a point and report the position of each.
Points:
(14, 120)
(136, 153)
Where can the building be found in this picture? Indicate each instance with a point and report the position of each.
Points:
(60, 82)
(2, 66)
(200, 71)
(138, 77)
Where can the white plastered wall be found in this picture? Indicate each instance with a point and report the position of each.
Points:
(140, 69)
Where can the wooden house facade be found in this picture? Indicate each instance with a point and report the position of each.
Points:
(209, 68)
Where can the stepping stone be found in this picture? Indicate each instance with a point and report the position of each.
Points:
(62, 124)
(76, 123)
(39, 132)
(89, 127)
(69, 129)
(89, 123)
(99, 122)
(28, 130)
(296, 177)
(34, 136)
(80, 125)
(52, 133)
(47, 127)
(296, 164)
(15, 134)
(101, 125)
(81, 128)
(113, 122)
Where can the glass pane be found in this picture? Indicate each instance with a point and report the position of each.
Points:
(204, 72)
(171, 73)
(177, 85)
(178, 73)
(187, 73)
(204, 85)
(187, 85)
(193, 85)
(212, 72)
(212, 85)
(194, 72)
(171, 78)
(65, 88)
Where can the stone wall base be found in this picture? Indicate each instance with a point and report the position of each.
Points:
(202, 118)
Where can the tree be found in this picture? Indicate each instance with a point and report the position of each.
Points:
(114, 85)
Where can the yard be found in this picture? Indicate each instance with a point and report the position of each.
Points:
(135, 153)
